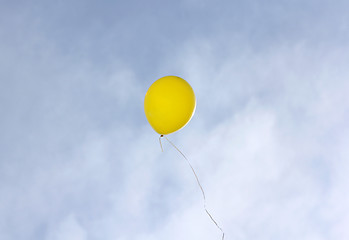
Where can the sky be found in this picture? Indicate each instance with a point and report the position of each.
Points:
(269, 138)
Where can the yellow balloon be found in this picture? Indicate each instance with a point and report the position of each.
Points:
(169, 104)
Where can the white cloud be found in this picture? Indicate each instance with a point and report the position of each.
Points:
(269, 139)
(268, 167)
(67, 229)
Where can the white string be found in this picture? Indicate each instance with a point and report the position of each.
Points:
(162, 150)
(197, 180)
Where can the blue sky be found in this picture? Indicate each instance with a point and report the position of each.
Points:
(269, 137)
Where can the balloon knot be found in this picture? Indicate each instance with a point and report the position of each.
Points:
(161, 135)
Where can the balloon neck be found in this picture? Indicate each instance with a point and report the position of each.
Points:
(161, 135)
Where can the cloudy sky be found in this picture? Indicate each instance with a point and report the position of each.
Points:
(269, 138)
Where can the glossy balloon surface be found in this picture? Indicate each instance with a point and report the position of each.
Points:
(169, 104)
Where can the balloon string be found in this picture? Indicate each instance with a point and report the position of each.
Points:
(197, 180)
(162, 150)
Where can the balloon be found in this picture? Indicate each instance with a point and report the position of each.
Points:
(169, 104)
